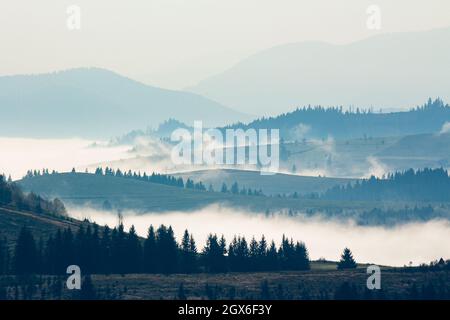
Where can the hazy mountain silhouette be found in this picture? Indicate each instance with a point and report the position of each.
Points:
(96, 103)
(392, 70)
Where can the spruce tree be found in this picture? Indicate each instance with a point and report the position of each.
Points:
(301, 257)
(25, 256)
(150, 253)
(188, 253)
(347, 261)
(105, 251)
(167, 250)
(133, 252)
(213, 254)
(272, 258)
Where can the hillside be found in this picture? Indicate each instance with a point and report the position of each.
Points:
(411, 185)
(81, 188)
(321, 122)
(388, 70)
(96, 103)
(41, 225)
(270, 185)
(431, 146)
(124, 193)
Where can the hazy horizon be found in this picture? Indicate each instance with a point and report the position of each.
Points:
(176, 44)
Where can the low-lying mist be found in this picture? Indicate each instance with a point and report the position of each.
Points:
(22, 154)
(324, 238)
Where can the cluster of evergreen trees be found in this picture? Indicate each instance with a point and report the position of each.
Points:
(235, 189)
(154, 178)
(105, 251)
(378, 216)
(12, 196)
(421, 185)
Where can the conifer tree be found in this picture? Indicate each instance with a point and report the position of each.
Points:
(133, 252)
(25, 255)
(188, 253)
(347, 261)
(150, 252)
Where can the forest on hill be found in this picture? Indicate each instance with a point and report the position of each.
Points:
(12, 196)
(411, 185)
(321, 122)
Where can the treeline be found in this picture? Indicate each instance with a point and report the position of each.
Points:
(421, 185)
(355, 122)
(392, 217)
(104, 251)
(159, 178)
(12, 196)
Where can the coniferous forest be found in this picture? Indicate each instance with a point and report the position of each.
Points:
(411, 185)
(104, 251)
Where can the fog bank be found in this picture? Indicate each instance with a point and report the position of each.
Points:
(22, 154)
(397, 246)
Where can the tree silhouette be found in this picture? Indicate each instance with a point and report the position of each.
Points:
(188, 253)
(213, 255)
(347, 261)
(133, 252)
(167, 250)
(25, 257)
(150, 263)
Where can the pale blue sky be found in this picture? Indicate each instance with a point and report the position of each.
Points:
(176, 43)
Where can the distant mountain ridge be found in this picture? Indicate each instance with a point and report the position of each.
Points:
(387, 70)
(92, 102)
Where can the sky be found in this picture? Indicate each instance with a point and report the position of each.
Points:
(176, 43)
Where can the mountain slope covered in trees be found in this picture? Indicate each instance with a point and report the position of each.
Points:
(411, 185)
(320, 122)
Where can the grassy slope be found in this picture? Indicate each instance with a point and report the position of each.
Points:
(270, 184)
(82, 189)
(423, 150)
(12, 220)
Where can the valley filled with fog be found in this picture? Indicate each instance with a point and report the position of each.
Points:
(396, 246)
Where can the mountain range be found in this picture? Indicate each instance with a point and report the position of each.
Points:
(96, 103)
(384, 71)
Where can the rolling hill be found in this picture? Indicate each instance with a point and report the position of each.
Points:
(90, 102)
(270, 185)
(41, 225)
(128, 195)
(390, 70)
(100, 191)
(432, 146)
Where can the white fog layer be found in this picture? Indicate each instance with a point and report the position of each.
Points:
(397, 246)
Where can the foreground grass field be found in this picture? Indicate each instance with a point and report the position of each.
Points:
(322, 282)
